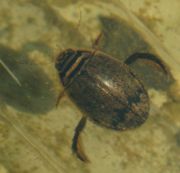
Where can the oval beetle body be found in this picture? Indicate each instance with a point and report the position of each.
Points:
(105, 89)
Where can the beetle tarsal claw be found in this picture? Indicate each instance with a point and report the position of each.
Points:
(76, 142)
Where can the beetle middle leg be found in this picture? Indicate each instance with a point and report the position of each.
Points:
(76, 147)
(131, 59)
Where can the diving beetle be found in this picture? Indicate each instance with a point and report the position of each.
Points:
(106, 90)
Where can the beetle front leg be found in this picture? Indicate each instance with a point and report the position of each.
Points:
(76, 147)
(60, 97)
(131, 59)
(96, 41)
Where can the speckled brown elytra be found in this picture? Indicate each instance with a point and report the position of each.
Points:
(105, 89)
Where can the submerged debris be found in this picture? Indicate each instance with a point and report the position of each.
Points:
(10, 72)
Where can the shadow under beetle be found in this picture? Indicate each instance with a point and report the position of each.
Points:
(106, 90)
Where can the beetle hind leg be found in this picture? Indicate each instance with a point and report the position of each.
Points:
(76, 145)
(131, 59)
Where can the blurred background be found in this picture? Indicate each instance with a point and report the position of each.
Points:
(35, 136)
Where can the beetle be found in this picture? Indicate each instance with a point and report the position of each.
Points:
(105, 89)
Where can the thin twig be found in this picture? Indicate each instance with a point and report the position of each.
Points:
(10, 73)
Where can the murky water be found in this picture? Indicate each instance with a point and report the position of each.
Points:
(35, 136)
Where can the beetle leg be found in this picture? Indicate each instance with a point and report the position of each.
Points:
(76, 146)
(60, 97)
(96, 41)
(95, 44)
(147, 56)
